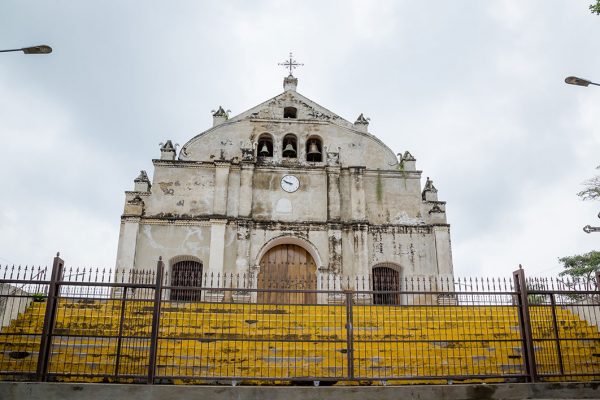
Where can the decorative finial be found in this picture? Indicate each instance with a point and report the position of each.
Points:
(362, 120)
(290, 64)
(220, 112)
(142, 177)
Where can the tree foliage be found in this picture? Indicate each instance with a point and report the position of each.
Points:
(581, 266)
(595, 8)
(592, 186)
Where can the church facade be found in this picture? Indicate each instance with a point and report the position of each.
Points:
(287, 189)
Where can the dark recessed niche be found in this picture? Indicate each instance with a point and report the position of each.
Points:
(290, 112)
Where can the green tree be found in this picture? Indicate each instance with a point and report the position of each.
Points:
(595, 8)
(592, 186)
(582, 266)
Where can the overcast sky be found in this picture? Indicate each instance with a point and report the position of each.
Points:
(473, 89)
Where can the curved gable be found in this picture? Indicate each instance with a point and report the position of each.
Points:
(238, 135)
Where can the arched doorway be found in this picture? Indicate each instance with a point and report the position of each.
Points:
(287, 266)
(386, 279)
(186, 273)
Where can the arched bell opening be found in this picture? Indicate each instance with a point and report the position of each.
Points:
(386, 284)
(265, 145)
(186, 279)
(314, 149)
(290, 146)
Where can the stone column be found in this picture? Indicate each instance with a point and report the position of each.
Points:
(357, 194)
(245, 202)
(221, 186)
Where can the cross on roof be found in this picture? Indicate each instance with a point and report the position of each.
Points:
(290, 64)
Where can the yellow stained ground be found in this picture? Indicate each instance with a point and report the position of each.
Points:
(200, 342)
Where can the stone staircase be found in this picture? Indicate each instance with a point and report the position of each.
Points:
(207, 342)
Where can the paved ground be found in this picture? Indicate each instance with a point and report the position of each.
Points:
(70, 391)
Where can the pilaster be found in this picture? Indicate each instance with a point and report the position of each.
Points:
(357, 193)
(443, 251)
(361, 249)
(245, 201)
(333, 193)
(334, 234)
(217, 245)
(221, 187)
(127, 244)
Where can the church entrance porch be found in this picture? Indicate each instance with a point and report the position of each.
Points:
(287, 266)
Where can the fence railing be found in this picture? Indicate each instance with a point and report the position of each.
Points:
(147, 326)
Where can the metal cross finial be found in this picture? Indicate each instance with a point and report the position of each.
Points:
(290, 64)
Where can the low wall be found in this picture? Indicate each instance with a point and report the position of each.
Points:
(64, 391)
(11, 307)
(588, 311)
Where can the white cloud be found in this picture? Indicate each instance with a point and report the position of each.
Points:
(473, 89)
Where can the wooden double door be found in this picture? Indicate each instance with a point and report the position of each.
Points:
(290, 267)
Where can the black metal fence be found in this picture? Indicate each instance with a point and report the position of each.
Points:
(147, 326)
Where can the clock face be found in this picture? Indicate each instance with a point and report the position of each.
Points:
(290, 183)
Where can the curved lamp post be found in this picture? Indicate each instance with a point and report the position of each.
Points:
(573, 80)
(42, 49)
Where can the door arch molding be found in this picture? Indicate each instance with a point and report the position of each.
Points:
(386, 277)
(287, 239)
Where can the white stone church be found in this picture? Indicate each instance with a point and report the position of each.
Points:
(286, 189)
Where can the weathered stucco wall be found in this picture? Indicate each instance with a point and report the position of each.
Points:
(171, 240)
(224, 205)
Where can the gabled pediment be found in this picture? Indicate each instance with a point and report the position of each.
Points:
(306, 110)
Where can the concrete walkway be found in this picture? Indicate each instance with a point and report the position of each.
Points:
(91, 391)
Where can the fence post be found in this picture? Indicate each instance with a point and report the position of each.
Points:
(49, 318)
(525, 324)
(349, 334)
(120, 338)
(160, 266)
(556, 334)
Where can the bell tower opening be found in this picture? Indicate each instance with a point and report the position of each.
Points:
(290, 146)
(265, 145)
(314, 150)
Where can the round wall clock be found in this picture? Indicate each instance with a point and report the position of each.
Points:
(290, 183)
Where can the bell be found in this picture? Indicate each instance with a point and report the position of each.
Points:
(313, 149)
(264, 151)
(289, 151)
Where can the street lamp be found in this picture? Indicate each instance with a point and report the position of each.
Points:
(42, 49)
(590, 229)
(573, 80)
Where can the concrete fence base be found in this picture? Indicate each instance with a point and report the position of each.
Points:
(71, 391)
